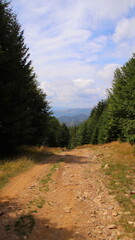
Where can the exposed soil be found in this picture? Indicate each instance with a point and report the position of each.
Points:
(67, 200)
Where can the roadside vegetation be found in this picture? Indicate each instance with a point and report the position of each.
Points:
(118, 166)
(28, 157)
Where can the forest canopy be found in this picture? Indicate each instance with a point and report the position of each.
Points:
(114, 118)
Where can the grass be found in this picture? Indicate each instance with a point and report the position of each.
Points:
(36, 203)
(29, 156)
(118, 164)
(9, 169)
(24, 225)
(45, 181)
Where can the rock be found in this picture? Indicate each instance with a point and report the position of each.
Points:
(101, 227)
(131, 223)
(89, 233)
(67, 209)
(32, 186)
(115, 214)
(85, 195)
(64, 173)
(110, 208)
(112, 226)
(106, 166)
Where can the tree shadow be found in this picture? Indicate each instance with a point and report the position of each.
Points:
(44, 157)
(15, 225)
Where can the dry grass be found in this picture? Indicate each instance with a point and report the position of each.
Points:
(28, 157)
(11, 168)
(118, 164)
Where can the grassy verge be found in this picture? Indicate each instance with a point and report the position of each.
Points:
(9, 169)
(29, 156)
(118, 164)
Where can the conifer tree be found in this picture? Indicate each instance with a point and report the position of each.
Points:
(23, 106)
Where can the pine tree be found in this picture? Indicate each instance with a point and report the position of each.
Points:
(22, 103)
(122, 101)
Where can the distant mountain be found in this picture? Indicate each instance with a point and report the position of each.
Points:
(71, 112)
(73, 120)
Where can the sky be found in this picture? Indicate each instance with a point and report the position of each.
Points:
(76, 45)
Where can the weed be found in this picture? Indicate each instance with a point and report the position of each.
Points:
(120, 162)
(45, 181)
(29, 156)
(36, 203)
(9, 169)
(24, 225)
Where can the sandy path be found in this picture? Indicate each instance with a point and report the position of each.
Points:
(76, 205)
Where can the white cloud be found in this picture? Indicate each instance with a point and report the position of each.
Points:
(76, 45)
(82, 83)
(124, 29)
(107, 73)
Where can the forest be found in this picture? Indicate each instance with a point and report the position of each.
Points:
(114, 118)
(25, 114)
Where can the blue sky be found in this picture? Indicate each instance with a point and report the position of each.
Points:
(75, 45)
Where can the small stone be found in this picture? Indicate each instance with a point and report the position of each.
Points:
(85, 194)
(100, 232)
(119, 234)
(101, 227)
(112, 226)
(131, 223)
(89, 233)
(115, 214)
(110, 208)
(67, 209)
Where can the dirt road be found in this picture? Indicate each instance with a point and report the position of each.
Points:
(63, 198)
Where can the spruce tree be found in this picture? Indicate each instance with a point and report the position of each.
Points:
(22, 103)
(122, 101)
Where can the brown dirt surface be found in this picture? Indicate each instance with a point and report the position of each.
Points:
(66, 197)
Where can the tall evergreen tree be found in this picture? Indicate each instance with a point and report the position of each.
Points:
(122, 101)
(22, 103)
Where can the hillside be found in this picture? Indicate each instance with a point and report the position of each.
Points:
(73, 120)
(86, 193)
(71, 112)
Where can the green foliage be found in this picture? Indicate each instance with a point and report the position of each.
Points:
(114, 118)
(58, 134)
(122, 100)
(24, 225)
(73, 141)
(23, 106)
